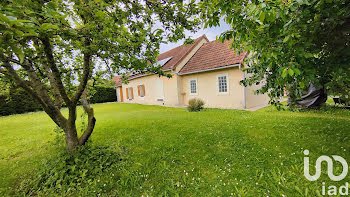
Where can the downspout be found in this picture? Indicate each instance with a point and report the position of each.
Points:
(178, 87)
(244, 99)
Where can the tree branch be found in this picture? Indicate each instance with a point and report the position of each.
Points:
(91, 119)
(58, 97)
(86, 73)
(55, 72)
(38, 85)
(54, 114)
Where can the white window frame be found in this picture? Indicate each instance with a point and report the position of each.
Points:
(189, 85)
(227, 84)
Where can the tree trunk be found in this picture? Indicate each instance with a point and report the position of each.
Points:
(70, 128)
(72, 140)
(40, 90)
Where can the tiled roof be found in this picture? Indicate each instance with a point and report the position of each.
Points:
(178, 53)
(212, 55)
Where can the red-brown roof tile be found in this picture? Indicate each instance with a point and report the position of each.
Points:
(212, 55)
(178, 53)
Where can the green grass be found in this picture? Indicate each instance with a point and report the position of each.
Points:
(169, 151)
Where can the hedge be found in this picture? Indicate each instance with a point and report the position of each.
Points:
(18, 101)
(103, 94)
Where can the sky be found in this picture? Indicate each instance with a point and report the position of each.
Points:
(211, 34)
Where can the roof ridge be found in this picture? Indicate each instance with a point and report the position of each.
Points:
(183, 45)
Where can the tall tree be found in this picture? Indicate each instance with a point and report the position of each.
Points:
(291, 43)
(50, 47)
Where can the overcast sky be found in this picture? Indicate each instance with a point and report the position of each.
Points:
(211, 34)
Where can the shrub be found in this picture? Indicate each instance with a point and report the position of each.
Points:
(17, 101)
(195, 104)
(103, 94)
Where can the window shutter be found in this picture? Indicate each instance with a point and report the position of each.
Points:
(121, 94)
(144, 91)
(132, 93)
(138, 90)
(127, 93)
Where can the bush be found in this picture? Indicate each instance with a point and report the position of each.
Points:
(88, 170)
(17, 102)
(195, 104)
(103, 94)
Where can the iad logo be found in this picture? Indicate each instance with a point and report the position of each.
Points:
(330, 190)
(329, 167)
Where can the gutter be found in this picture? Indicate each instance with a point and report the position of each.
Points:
(143, 75)
(210, 69)
(244, 97)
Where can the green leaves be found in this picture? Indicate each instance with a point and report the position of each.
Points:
(290, 72)
(284, 73)
(262, 17)
(289, 41)
(11, 18)
(47, 26)
(19, 53)
(308, 55)
(286, 39)
(74, 172)
(297, 71)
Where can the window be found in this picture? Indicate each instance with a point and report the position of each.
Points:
(222, 84)
(193, 86)
(141, 90)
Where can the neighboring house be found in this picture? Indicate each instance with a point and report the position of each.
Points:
(208, 70)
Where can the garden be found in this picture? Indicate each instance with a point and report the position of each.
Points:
(140, 150)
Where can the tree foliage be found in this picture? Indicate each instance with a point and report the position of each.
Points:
(290, 43)
(51, 48)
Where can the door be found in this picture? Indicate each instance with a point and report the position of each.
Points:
(159, 90)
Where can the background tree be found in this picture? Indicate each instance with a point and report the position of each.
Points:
(290, 43)
(50, 48)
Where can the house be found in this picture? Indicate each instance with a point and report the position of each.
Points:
(208, 70)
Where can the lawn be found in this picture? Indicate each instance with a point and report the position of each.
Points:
(171, 152)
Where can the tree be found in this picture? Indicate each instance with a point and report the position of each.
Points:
(290, 43)
(50, 48)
